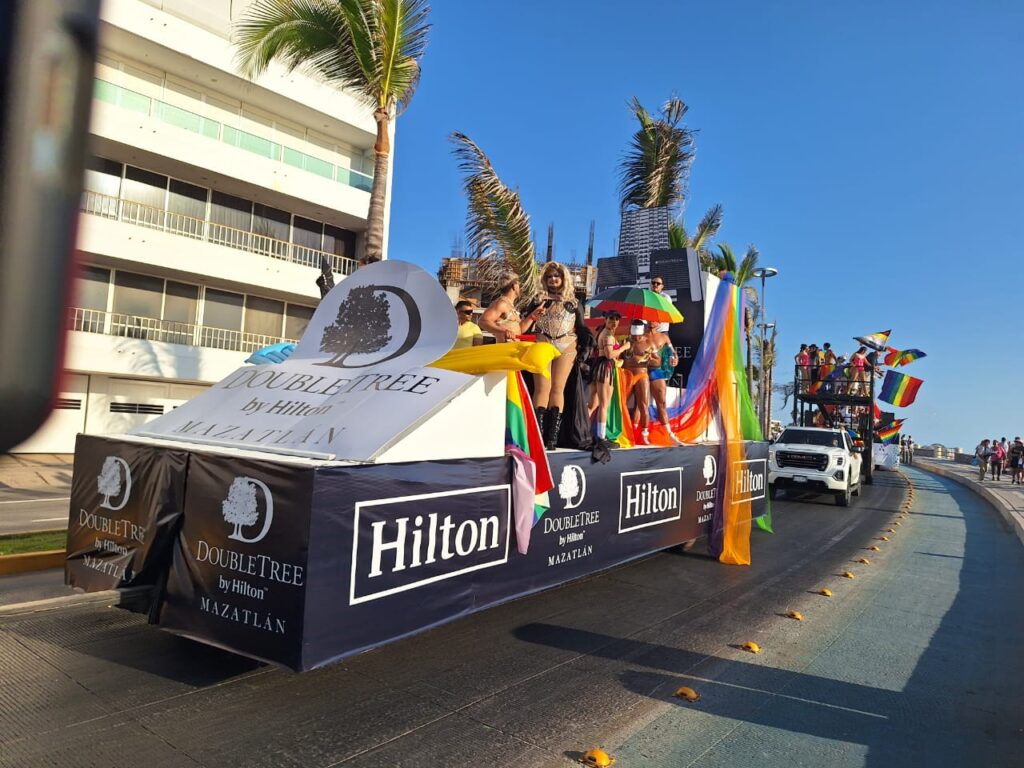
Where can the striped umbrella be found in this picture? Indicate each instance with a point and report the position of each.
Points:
(637, 304)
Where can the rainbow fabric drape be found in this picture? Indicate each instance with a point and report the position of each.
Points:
(717, 394)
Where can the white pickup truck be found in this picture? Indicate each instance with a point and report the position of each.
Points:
(815, 460)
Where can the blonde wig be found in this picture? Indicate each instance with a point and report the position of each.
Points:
(568, 292)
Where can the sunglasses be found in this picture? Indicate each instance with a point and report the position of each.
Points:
(657, 283)
(465, 311)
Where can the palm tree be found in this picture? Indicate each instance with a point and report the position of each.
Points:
(700, 240)
(725, 261)
(497, 227)
(766, 364)
(655, 169)
(372, 48)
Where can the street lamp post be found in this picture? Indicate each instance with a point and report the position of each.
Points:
(764, 273)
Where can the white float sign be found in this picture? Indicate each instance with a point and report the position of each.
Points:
(355, 383)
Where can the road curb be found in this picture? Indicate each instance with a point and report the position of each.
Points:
(31, 561)
(1013, 518)
(133, 598)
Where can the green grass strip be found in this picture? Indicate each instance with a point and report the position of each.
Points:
(40, 541)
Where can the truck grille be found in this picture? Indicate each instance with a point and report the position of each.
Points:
(816, 461)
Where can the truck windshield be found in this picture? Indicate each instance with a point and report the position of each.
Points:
(807, 437)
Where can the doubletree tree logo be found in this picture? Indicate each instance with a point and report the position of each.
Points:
(363, 326)
(115, 480)
(241, 507)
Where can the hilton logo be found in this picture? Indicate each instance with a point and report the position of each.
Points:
(408, 542)
(650, 498)
(748, 480)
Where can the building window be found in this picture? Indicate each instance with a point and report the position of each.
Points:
(271, 223)
(296, 320)
(92, 287)
(139, 295)
(180, 302)
(263, 316)
(187, 206)
(339, 241)
(144, 187)
(103, 177)
(223, 309)
(308, 233)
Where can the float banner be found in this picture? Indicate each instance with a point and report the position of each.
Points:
(355, 383)
(126, 500)
(686, 336)
(238, 572)
(398, 548)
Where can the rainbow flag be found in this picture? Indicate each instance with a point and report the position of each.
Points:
(899, 389)
(907, 356)
(522, 430)
(875, 341)
(889, 433)
(891, 355)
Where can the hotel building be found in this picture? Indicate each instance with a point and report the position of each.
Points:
(209, 204)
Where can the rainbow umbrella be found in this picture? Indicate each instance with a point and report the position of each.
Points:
(637, 304)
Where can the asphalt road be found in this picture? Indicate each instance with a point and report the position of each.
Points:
(913, 662)
(33, 510)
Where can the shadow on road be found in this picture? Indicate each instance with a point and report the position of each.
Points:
(944, 648)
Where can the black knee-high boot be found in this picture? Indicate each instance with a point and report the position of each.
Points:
(542, 421)
(553, 426)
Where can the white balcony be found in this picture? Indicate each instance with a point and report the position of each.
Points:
(185, 246)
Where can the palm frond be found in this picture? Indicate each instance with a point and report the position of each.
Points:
(401, 32)
(497, 227)
(708, 227)
(656, 165)
(725, 259)
(746, 268)
(678, 237)
(371, 48)
(307, 34)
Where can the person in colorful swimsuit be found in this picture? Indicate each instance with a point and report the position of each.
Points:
(663, 366)
(603, 371)
(635, 378)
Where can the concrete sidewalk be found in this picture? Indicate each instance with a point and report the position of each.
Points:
(1006, 498)
(38, 471)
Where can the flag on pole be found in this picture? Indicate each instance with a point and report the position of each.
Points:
(875, 341)
(899, 389)
(523, 432)
(907, 356)
(889, 433)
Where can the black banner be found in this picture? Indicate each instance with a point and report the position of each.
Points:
(126, 500)
(238, 574)
(302, 566)
(399, 548)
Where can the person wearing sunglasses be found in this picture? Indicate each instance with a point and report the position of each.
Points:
(658, 285)
(469, 334)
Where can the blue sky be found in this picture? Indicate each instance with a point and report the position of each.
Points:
(873, 151)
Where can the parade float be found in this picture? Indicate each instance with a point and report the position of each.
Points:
(374, 484)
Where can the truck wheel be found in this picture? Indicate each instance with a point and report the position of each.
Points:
(843, 497)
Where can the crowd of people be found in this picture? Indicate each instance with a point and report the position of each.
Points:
(998, 456)
(572, 403)
(818, 364)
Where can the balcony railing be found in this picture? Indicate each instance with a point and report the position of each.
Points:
(202, 229)
(187, 120)
(168, 331)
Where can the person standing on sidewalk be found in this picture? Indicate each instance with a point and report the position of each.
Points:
(981, 454)
(995, 460)
(1016, 455)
